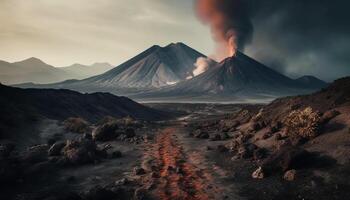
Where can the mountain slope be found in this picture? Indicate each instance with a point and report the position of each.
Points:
(237, 79)
(30, 70)
(154, 68)
(79, 71)
(19, 103)
(311, 82)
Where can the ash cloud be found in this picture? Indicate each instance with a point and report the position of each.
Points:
(230, 23)
(302, 37)
(293, 36)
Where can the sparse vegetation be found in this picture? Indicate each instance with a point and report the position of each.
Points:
(304, 123)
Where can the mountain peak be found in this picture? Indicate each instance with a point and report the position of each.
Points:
(32, 60)
(311, 81)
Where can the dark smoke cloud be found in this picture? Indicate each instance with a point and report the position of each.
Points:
(303, 36)
(295, 37)
(230, 22)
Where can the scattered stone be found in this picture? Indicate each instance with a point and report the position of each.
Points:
(235, 157)
(201, 134)
(139, 171)
(106, 132)
(81, 152)
(56, 148)
(278, 136)
(329, 115)
(290, 175)
(258, 174)
(122, 181)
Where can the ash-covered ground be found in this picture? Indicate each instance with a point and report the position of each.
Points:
(293, 148)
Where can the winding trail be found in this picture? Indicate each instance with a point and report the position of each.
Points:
(175, 174)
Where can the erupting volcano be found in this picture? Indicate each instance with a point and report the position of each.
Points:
(229, 22)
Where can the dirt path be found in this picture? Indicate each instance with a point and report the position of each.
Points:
(176, 173)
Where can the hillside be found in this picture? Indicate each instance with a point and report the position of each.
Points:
(18, 105)
(238, 78)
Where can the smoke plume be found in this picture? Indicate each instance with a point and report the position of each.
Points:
(230, 24)
(202, 64)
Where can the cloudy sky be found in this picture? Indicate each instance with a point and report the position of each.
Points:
(295, 37)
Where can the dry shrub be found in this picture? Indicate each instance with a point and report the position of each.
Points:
(304, 123)
(76, 125)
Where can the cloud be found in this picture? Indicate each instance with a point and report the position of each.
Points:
(302, 37)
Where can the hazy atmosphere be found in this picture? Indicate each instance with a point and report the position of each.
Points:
(174, 99)
(294, 38)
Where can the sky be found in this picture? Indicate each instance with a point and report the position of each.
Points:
(292, 36)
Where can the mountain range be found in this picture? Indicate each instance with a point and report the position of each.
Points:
(166, 74)
(36, 71)
(239, 78)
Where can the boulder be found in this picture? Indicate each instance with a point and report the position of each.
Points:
(329, 115)
(139, 171)
(56, 148)
(290, 175)
(105, 132)
(201, 134)
(258, 174)
(81, 152)
(246, 151)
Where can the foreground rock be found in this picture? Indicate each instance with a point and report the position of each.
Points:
(76, 125)
(82, 152)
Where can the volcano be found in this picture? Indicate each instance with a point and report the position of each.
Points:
(154, 68)
(239, 78)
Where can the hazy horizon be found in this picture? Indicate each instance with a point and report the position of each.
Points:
(115, 31)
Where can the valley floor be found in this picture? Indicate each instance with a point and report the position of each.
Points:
(173, 164)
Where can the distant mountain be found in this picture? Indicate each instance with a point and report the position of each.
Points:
(79, 71)
(33, 70)
(30, 70)
(154, 68)
(161, 74)
(238, 78)
(23, 104)
(311, 82)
